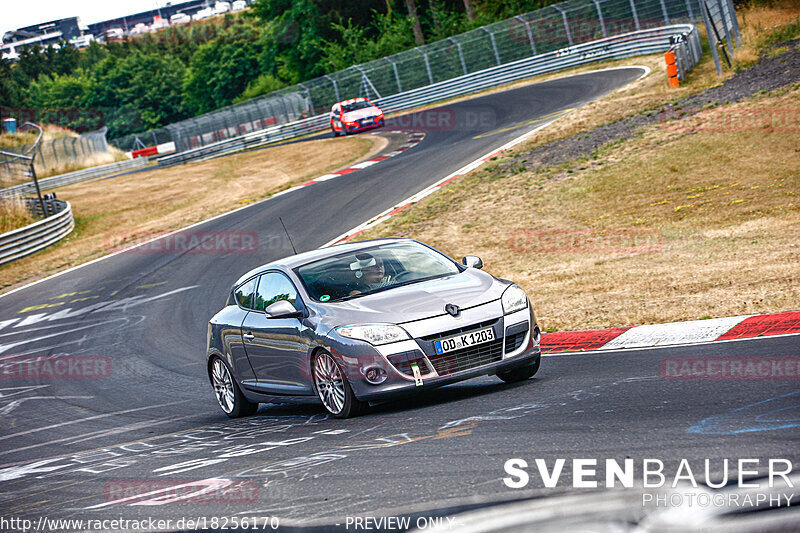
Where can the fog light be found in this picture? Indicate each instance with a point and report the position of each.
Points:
(375, 375)
(537, 334)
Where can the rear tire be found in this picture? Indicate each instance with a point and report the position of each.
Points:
(229, 395)
(333, 388)
(520, 374)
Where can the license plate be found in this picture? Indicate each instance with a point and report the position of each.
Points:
(367, 121)
(464, 340)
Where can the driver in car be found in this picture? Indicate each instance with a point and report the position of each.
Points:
(369, 272)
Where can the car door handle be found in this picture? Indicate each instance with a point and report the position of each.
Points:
(249, 337)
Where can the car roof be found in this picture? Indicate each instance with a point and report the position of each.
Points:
(293, 261)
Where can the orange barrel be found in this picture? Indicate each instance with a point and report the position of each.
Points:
(672, 70)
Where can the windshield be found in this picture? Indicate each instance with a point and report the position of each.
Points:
(363, 104)
(369, 270)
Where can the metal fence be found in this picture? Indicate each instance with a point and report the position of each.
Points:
(15, 169)
(545, 30)
(52, 155)
(138, 141)
(69, 178)
(684, 39)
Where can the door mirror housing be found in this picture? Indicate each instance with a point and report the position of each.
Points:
(282, 309)
(472, 261)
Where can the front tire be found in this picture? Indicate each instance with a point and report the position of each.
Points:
(229, 396)
(520, 374)
(333, 388)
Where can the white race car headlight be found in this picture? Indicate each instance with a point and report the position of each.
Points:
(514, 299)
(374, 333)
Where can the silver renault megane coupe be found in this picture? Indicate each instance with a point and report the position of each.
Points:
(360, 323)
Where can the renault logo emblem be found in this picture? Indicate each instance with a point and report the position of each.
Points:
(452, 309)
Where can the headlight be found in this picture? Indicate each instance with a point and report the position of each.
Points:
(514, 299)
(374, 333)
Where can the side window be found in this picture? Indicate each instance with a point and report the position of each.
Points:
(244, 293)
(275, 287)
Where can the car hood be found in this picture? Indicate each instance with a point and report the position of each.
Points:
(416, 301)
(358, 114)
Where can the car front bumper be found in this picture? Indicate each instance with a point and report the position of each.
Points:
(515, 345)
(385, 391)
(362, 127)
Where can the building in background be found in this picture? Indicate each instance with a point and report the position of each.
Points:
(159, 16)
(44, 34)
(68, 30)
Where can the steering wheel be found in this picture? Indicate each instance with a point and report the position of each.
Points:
(403, 276)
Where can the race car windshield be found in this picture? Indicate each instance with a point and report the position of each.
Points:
(369, 270)
(355, 105)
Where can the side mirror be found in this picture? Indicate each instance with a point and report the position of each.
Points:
(472, 261)
(282, 309)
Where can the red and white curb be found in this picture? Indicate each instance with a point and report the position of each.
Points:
(675, 333)
(414, 139)
(436, 186)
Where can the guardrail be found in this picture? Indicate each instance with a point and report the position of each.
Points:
(684, 38)
(74, 177)
(33, 237)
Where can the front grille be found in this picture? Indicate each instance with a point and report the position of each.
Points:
(405, 367)
(402, 362)
(465, 329)
(467, 358)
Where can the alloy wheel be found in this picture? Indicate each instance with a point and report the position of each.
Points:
(330, 383)
(223, 386)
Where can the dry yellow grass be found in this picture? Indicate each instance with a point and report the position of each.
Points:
(757, 23)
(13, 214)
(65, 161)
(29, 135)
(62, 167)
(718, 209)
(112, 212)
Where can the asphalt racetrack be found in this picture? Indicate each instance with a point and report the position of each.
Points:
(148, 421)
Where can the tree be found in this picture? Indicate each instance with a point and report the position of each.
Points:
(412, 13)
(392, 34)
(63, 100)
(11, 90)
(295, 31)
(469, 9)
(140, 91)
(218, 73)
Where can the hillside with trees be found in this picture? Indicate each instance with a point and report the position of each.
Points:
(149, 81)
